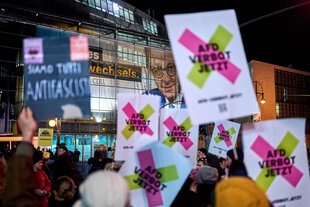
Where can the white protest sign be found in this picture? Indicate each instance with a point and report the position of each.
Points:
(177, 131)
(276, 158)
(155, 174)
(137, 122)
(212, 65)
(224, 137)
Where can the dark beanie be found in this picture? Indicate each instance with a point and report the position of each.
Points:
(37, 156)
(235, 154)
(203, 150)
(63, 146)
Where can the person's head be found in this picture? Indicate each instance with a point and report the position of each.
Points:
(61, 149)
(207, 175)
(223, 162)
(64, 188)
(201, 162)
(235, 162)
(234, 154)
(104, 188)
(97, 154)
(37, 161)
(202, 152)
(167, 81)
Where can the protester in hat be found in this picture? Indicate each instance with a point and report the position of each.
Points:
(64, 193)
(235, 162)
(213, 161)
(19, 188)
(238, 190)
(207, 178)
(42, 185)
(63, 164)
(104, 189)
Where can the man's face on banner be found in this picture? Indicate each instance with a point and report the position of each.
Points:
(167, 81)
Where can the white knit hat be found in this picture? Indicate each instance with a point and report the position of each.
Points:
(103, 189)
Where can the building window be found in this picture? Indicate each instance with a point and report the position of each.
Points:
(126, 14)
(85, 2)
(121, 12)
(277, 110)
(116, 9)
(91, 3)
(110, 7)
(120, 51)
(98, 6)
(125, 53)
(131, 17)
(104, 5)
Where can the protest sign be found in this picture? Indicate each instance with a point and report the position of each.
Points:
(137, 122)
(45, 137)
(57, 77)
(177, 131)
(224, 137)
(155, 174)
(212, 65)
(276, 158)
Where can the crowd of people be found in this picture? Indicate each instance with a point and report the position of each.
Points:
(30, 180)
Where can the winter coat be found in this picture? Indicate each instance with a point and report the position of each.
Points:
(19, 189)
(42, 182)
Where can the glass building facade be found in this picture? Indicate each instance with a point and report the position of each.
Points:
(122, 59)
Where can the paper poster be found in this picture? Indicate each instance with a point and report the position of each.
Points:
(177, 132)
(276, 158)
(224, 137)
(155, 174)
(45, 137)
(212, 65)
(57, 77)
(137, 122)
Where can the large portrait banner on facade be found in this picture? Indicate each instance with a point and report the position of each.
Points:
(276, 158)
(212, 65)
(56, 76)
(137, 122)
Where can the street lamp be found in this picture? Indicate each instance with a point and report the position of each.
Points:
(56, 122)
(258, 94)
(52, 123)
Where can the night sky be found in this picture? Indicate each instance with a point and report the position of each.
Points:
(282, 39)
